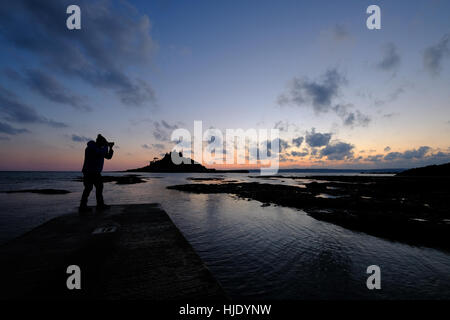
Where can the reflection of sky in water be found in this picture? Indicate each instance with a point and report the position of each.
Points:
(254, 251)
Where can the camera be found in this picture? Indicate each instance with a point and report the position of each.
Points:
(101, 141)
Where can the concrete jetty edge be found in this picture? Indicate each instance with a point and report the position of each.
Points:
(131, 251)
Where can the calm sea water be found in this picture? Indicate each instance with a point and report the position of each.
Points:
(255, 252)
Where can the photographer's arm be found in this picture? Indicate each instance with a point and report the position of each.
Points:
(110, 153)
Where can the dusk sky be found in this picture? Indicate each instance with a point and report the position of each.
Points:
(342, 96)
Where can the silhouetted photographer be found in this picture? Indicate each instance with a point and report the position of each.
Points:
(94, 155)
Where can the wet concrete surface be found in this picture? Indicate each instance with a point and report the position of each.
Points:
(124, 252)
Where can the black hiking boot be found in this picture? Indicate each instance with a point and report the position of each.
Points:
(84, 210)
(102, 207)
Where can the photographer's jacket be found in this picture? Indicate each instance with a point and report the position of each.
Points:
(94, 157)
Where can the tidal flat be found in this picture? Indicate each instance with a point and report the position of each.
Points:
(413, 210)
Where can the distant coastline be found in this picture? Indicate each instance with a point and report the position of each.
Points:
(166, 165)
(442, 170)
(430, 170)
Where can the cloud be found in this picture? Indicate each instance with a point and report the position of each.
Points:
(50, 88)
(390, 115)
(135, 122)
(77, 138)
(318, 93)
(7, 129)
(281, 125)
(158, 146)
(11, 109)
(439, 157)
(337, 151)
(375, 158)
(168, 126)
(335, 37)
(314, 139)
(321, 95)
(387, 149)
(153, 146)
(162, 130)
(299, 154)
(340, 32)
(356, 118)
(266, 146)
(391, 59)
(114, 38)
(53, 123)
(408, 154)
(211, 138)
(394, 95)
(421, 156)
(314, 151)
(435, 54)
(392, 156)
(351, 118)
(282, 144)
(297, 141)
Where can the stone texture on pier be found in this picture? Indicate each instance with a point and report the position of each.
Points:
(125, 252)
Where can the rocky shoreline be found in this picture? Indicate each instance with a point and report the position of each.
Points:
(39, 191)
(413, 210)
(126, 179)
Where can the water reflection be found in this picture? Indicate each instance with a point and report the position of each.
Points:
(254, 251)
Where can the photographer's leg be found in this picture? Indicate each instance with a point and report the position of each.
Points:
(88, 185)
(99, 192)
